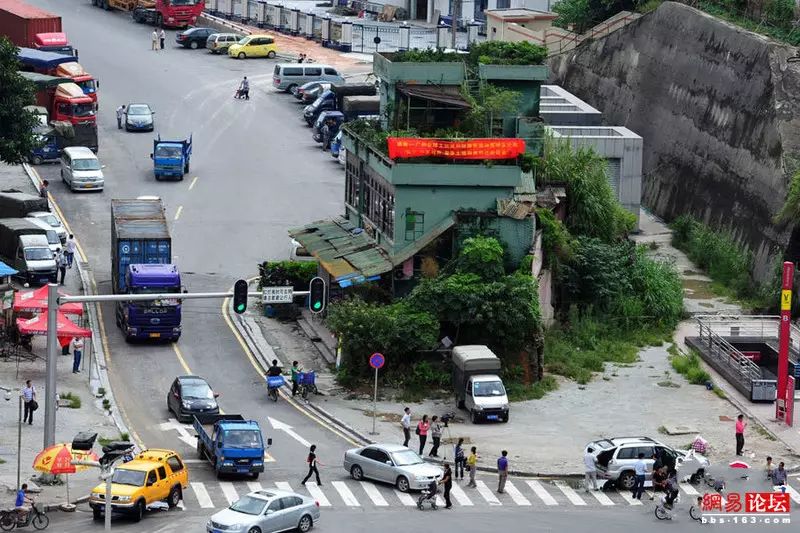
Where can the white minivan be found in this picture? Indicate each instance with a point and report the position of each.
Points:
(52, 235)
(80, 169)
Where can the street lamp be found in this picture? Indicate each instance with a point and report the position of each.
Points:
(19, 430)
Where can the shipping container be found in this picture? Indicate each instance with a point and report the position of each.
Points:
(139, 235)
(21, 22)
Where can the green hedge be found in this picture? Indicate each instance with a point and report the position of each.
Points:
(298, 274)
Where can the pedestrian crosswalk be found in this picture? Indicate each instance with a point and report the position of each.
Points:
(347, 493)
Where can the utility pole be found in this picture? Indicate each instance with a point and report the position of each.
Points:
(455, 15)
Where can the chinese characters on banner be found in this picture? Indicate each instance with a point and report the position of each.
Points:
(754, 503)
(406, 147)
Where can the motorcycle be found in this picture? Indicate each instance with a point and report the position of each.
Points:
(306, 383)
(273, 384)
(9, 519)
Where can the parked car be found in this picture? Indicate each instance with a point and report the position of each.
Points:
(391, 463)
(313, 93)
(267, 511)
(54, 222)
(220, 42)
(189, 396)
(616, 456)
(152, 476)
(139, 117)
(80, 169)
(254, 46)
(193, 38)
(289, 75)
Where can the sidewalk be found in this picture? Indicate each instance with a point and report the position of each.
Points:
(90, 416)
(547, 436)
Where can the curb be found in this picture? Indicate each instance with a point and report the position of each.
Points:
(57, 506)
(98, 352)
(365, 440)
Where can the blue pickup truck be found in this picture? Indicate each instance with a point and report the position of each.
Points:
(171, 159)
(232, 444)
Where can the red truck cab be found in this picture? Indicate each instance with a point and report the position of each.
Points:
(79, 76)
(66, 102)
(53, 42)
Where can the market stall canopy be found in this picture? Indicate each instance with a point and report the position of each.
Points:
(6, 270)
(36, 302)
(65, 328)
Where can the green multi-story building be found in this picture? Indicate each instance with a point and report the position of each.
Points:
(406, 216)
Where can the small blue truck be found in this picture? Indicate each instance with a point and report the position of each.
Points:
(232, 444)
(171, 158)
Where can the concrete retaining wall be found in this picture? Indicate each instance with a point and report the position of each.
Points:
(719, 110)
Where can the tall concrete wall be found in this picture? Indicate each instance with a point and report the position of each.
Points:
(719, 111)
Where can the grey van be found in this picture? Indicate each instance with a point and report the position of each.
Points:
(220, 42)
(288, 75)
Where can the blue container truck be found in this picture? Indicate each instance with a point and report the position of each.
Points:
(141, 263)
(232, 444)
(171, 159)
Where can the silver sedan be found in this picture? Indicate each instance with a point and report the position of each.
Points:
(391, 463)
(266, 511)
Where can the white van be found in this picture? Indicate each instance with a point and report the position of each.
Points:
(289, 75)
(80, 169)
(52, 235)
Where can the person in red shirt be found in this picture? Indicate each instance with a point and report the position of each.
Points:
(422, 431)
(740, 425)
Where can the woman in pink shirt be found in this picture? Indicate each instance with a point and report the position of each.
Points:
(740, 425)
(422, 431)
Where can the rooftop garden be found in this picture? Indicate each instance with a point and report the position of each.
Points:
(486, 53)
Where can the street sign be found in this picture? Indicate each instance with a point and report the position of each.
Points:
(377, 360)
(278, 295)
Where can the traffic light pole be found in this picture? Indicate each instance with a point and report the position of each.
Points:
(54, 300)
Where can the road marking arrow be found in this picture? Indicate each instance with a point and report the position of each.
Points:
(183, 432)
(286, 428)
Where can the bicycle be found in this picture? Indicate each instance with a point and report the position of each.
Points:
(9, 519)
(663, 511)
(696, 511)
(273, 384)
(306, 383)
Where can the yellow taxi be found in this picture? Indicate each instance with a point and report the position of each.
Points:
(152, 476)
(254, 46)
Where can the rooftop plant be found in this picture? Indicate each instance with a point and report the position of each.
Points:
(489, 52)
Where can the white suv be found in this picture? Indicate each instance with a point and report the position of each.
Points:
(616, 457)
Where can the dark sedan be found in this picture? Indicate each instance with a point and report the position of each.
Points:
(189, 396)
(139, 117)
(194, 38)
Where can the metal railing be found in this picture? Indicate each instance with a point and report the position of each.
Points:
(742, 368)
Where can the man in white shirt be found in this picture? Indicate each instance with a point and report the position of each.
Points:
(77, 352)
(640, 469)
(154, 39)
(590, 468)
(28, 399)
(161, 36)
(120, 115)
(69, 249)
(406, 423)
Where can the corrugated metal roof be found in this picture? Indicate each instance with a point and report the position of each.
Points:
(342, 253)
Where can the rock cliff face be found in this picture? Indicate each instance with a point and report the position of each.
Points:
(719, 110)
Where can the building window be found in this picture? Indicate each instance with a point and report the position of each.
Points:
(369, 194)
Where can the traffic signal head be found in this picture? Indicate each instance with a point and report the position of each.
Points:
(316, 295)
(240, 296)
(115, 450)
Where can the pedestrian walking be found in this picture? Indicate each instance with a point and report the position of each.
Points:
(459, 458)
(61, 263)
(502, 472)
(77, 352)
(154, 40)
(640, 469)
(69, 249)
(406, 423)
(447, 481)
(422, 432)
(741, 424)
(312, 465)
(779, 476)
(244, 89)
(44, 192)
(295, 371)
(29, 402)
(472, 466)
(590, 469)
(161, 36)
(120, 116)
(436, 435)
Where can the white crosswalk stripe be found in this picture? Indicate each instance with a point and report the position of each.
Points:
(570, 493)
(460, 496)
(228, 491)
(283, 485)
(202, 496)
(487, 493)
(254, 486)
(516, 495)
(317, 494)
(601, 497)
(405, 498)
(374, 494)
(688, 489)
(792, 492)
(348, 497)
(628, 497)
(539, 490)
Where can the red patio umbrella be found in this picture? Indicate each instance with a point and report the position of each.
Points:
(65, 328)
(36, 302)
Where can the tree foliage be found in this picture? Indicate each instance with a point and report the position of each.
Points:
(594, 210)
(482, 256)
(16, 124)
(583, 14)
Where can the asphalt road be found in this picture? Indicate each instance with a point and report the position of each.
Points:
(255, 172)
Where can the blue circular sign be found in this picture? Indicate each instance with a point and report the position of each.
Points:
(377, 360)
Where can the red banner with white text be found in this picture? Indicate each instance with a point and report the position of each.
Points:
(407, 147)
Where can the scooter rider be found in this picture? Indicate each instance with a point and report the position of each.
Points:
(23, 503)
(671, 488)
(274, 370)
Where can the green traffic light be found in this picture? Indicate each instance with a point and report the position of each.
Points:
(240, 308)
(317, 305)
